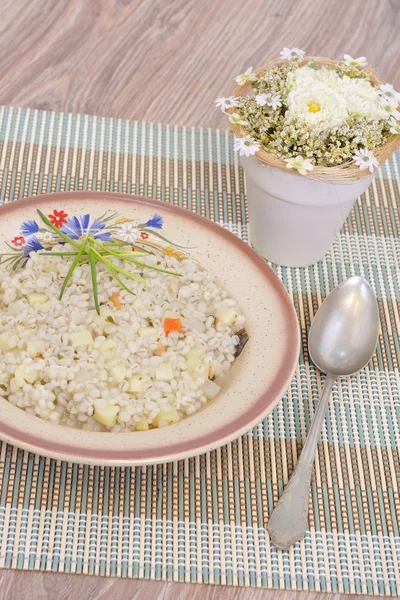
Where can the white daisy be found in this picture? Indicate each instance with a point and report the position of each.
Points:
(272, 100)
(127, 232)
(389, 93)
(395, 128)
(390, 108)
(246, 77)
(225, 103)
(246, 146)
(261, 99)
(236, 119)
(300, 164)
(361, 61)
(365, 160)
(47, 236)
(292, 53)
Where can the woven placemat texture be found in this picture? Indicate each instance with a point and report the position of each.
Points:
(203, 519)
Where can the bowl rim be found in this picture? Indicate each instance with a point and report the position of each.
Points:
(181, 449)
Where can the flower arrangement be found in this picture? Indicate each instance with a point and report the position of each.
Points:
(323, 118)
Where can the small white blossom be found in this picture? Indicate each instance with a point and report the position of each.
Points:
(225, 103)
(292, 53)
(261, 99)
(390, 108)
(246, 146)
(127, 232)
(47, 236)
(300, 164)
(273, 100)
(365, 160)
(246, 77)
(361, 61)
(236, 119)
(395, 128)
(389, 93)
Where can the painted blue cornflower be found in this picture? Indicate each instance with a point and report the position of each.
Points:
(78, 227)
(29, 228)
(156, 222)
(33, 245)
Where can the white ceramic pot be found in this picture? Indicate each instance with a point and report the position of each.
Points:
(294, 219)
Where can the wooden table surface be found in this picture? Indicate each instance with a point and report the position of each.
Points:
(167, 60)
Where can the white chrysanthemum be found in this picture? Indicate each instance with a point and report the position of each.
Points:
(325, 100)
(313, 97)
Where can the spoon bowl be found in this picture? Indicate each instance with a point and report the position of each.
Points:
(345, 330)
(342, 339)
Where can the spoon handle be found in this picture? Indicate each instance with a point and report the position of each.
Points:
(288, 522)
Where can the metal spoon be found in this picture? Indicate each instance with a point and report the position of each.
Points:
(342, 339)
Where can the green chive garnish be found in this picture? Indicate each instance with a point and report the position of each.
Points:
(98, 251)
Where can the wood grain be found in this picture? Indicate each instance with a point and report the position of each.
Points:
(167, 60)
(51, 586)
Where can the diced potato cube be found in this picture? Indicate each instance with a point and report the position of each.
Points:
(192, 362)
(164, 372)
(23, 376)
(145, 332)
(35, 347)
(136, 383)
(129, 332)
(101, 319)
(108, 345)
(4, 339)
(226, 315)
(80, 338)
(143, 425)
(118, 373)
(113, 362)
(106, 415)
(36, 298)
(197, 351)
(166, 417)
(50, 267)
(210, 389)
(139, 304)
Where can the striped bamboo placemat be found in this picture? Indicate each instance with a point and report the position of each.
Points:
(203, 519)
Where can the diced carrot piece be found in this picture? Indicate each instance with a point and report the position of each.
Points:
(160, 349)
(115, 300)
(172, 325)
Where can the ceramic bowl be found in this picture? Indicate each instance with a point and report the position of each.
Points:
(259, 377)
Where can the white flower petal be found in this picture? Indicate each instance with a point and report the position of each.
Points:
(246, 77)
(246, 146)
(292, 53)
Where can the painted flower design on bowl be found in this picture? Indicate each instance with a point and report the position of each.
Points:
(34, 236)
